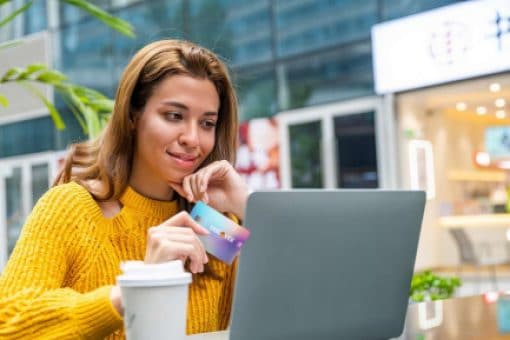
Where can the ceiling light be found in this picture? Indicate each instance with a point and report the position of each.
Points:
(483, 159)
(500, 102)
(495, 87)
(500, 114)
(461, 106)
(481, 110)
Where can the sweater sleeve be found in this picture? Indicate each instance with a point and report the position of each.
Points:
(34, 302)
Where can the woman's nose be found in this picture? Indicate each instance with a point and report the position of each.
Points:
(189, 135)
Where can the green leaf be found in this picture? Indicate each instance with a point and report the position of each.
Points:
(4, 101)
(74, 110)
(51, 77)
(57, 119)
(10, 43)
(11, 74)
(16, 12)
(4, 2)
(33, 68)
(116, 23)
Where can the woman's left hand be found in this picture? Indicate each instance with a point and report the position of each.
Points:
(218, 185)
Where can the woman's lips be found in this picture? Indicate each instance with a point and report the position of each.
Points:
(183, 160)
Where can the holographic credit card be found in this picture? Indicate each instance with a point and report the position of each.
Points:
(225, 237)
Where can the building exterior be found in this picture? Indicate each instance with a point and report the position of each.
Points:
(306, 62)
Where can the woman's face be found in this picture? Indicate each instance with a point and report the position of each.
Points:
(176, 129)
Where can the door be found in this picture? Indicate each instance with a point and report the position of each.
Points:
(340, 145)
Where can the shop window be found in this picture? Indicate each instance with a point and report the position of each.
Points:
(306, 155)
(356, 151)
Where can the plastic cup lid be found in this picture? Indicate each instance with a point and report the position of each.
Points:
(137, 273)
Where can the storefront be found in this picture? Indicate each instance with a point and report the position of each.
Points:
(453, 140)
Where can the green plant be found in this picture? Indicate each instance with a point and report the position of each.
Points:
(89, 107)
(428, 286)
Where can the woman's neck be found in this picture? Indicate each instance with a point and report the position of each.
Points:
(151, 188)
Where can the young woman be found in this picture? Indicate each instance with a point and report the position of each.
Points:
(170, 142)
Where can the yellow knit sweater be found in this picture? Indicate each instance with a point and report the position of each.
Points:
(57, 282)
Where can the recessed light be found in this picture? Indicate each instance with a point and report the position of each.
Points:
(495, 87)
(481, 110)
(500, 114)
(461, 106)
(500, 102)
(483, 158)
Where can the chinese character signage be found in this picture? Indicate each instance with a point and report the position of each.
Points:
(455, 42)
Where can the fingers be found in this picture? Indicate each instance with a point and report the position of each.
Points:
(165, 243)
(195, 186)
(183, 219)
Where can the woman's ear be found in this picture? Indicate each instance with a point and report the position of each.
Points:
(133, 120)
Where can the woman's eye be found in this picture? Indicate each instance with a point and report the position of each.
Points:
(173, 116)
(209, 124)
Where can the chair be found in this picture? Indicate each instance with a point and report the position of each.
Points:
(469, 255)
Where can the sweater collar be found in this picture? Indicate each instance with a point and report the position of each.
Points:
(148, 206)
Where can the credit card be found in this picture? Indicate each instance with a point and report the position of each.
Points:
(225, 237)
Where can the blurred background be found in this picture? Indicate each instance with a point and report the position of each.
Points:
(390, 94)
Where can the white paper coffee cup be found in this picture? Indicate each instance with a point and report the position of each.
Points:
(155, 298)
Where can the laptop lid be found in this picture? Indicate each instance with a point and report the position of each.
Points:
(326, 264)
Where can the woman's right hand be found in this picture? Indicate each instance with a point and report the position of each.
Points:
(176, 239)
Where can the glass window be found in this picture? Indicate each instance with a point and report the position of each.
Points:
(239, 31)
(14, 139)
(306, 155)
(257, 93)
(356, 151)
(15, 214)
(337, 75)
(152, 21)
(35, 18)
(123, 3)
(392, 9)
(86, 55)
(73, 133)
(40, 175)
(305, 25)
(73, 14)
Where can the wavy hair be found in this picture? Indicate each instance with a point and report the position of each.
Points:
(109, 158)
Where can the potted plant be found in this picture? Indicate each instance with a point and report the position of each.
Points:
(427, 286)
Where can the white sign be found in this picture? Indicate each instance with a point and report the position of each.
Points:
(450, 43)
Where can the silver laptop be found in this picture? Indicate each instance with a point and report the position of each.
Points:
(326, 264)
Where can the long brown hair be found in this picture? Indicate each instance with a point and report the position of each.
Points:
(108, 159)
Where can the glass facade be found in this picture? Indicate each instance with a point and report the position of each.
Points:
(283, 54)
(35, 18)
